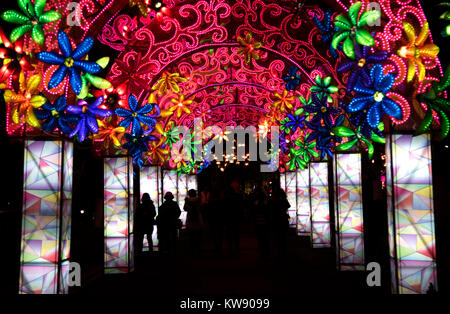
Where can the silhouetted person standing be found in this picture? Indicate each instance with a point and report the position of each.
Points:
(167, 222)
(280, 219)
(233, 216)
(216, 209)
(144, 220)
(261, 214)
(194, 220)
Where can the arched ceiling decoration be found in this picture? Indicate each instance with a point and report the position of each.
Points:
(327, 73)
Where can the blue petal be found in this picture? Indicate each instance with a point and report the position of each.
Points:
(64, 127)
(385, 84)
(145, 109)
(83, 48)
(96, 103)
(374, 115)
(358, 103)
(50, 57)
(136, 126)
(57, 76)
(60, 103)
(75, 109)
(376, 73)
(83, 132)
(391, 108)
(92, 124)
(132, 102)
(75, 80)
(49, 125)
(77, 128)
(146, 120)
(126, 123)
(64, 44)
(101, 112)
(42, 114)
(360, 88)
(121, 112)
(87, 66)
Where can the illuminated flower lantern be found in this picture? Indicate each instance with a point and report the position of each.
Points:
(351, 28)
(70, 62)
(25, 100)
(249, 47)
(14, 60)
(33, 19)
(416, 50)
(87, 113)
(373, 99)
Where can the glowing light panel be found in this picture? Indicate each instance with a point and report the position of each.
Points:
(349, 212)
(118, 213)
(303, 203)
(46, 217)
(320, 205)
(410, 213)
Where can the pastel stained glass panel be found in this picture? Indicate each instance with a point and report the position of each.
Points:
(182, 193)
(303, 203)
(117, 183)
(320, 205)
(283, 181)
(291, 193)
(349, 212)
(411, 213)
(46, 200)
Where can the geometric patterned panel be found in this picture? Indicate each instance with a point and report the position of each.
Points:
(411, 213)
(349, 212)
(47, 194)
(291, 190)
(117, 218)
(283, 181)
(303, 203)
(320, 204)
(170, 183)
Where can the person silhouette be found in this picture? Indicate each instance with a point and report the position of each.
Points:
(167, 222)
(194, 220)
(144, 220)
(280, 219)
(233, 216)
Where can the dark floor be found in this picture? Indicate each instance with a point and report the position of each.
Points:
(305, 271)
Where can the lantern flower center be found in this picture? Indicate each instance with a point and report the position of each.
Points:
(353, 30)
(28, 96)
(361, 62)
(358, 135)
(68, 62)
(323, 109)
(378, 96)
(85, 109)
(55, 113)
(134, 115)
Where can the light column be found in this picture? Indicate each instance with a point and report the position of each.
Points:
(46, 217)
(118, 215)
(411, 213)
(349, 212)
(320, 204)
(303, 203)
